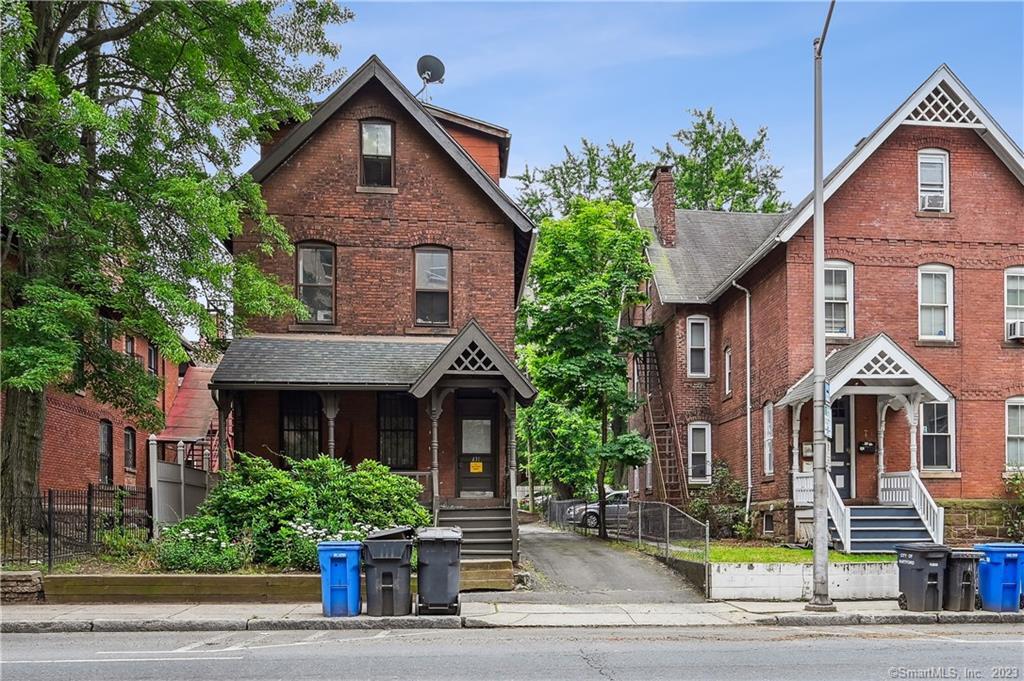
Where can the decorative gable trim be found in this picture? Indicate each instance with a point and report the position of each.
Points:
(943, 107)
(470, 354)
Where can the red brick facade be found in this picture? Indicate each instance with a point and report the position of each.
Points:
(872, 221)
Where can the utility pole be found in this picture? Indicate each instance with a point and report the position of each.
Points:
(820, 600)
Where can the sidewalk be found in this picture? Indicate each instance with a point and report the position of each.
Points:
(21, 618)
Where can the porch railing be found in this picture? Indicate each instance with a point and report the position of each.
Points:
(803, 489)
(907, 489)
(422, 477)
(840, 513)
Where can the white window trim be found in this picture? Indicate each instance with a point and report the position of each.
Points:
(1013, 401)
(689, 453)
(935, 268)
(952, 436)
(848, 268)
(727, 359)
(933, 155)
(706, 321)
(1010, 272)
(768, 434)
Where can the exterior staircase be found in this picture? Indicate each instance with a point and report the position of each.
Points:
(878, 529)
(661, 433)
(486, 532)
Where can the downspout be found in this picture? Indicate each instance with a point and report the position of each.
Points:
(746, 362)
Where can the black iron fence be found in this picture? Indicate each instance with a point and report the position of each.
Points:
(62, 525)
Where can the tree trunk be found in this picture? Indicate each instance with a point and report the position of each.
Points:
(21, 447)
(602, 468)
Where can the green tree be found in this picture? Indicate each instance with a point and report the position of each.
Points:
(586, 267)
(123, 123)
(717, 168)
(562, 445)
(608, 173)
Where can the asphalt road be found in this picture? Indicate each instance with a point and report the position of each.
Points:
(757, 653)
(571, 569)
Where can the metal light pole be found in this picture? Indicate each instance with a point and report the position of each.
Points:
(820, 599)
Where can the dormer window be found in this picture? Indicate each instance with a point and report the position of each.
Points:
(933, 180)
(316, 281)
(377, 154)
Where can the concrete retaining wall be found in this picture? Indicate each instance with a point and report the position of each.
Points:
(793, 582)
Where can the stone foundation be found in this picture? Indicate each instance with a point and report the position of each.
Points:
(782, 518)
(973, 520)
(21, 587)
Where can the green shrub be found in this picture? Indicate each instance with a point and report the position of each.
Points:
(719, 504)
(1013, 511)
(120, 542)
(198, 544)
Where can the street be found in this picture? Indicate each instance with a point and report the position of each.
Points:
(880, 652)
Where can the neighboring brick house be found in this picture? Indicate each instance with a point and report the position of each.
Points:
(411, 262)
(924, 231)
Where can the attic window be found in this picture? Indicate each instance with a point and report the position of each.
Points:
(377, 154)
(933, 180)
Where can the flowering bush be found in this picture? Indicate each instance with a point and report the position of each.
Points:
(198, 544)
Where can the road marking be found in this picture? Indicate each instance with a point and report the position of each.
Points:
(121, 659)
(184, 649)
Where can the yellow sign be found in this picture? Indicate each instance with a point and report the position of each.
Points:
(476, 466)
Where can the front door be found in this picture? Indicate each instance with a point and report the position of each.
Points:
(842, 446)
(477, 447)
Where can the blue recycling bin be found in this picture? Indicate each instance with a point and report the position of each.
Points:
(339, 577)
(999, 576)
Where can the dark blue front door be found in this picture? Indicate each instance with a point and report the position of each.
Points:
(842, 446)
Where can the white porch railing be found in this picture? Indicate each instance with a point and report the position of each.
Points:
(894, 489)
(803, 489)
(907, 489)
(840, 513)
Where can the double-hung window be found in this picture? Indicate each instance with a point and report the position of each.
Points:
(768, 415)
(727, 359)
(697, 332)
(316, 281)
(938, 425)
(1014, 295)
(839, 299)
(433, 286)
(129, 346)
(1015, 433)
(377, 154)
(933, 180)
(698, 451)
(935, 300)
(152, 360)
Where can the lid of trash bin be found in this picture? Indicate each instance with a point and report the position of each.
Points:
(922, 547)
(397, 532)
(966, 553)
(440, 534)
(338, 544)
(999, 546)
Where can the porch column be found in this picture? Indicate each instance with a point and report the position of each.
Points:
(223, 399)
(436, 400)
(329, 402)
(883, 407)
(796, 409)
(913, 407)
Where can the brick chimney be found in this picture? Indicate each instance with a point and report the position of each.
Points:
(664, 200)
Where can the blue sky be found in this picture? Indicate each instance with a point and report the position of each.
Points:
(555, 72)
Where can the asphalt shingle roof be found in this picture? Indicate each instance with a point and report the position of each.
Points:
(710, 245)
(324, 360)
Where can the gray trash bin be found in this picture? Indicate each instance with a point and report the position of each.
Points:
(922, 575)
(387, 561)
(961, 580)
(437, 570)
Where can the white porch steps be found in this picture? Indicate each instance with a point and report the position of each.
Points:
(879, 529)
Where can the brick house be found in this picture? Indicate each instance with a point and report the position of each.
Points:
(924, 280)
(411, 261)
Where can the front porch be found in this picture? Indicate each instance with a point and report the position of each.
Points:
(439, 410)
(876, 497)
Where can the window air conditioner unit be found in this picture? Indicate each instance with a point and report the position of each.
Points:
(1015, 331)
(932, 202)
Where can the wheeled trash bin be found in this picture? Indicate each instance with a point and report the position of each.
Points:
(387, 562)
(339, 577)
(437, 570)
(922, 575)
(999, 576)
(961, 580)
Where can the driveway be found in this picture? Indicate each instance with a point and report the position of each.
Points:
(570, 569)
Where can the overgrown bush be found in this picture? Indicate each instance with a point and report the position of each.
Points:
(275, 517)
(719, 504)
(1013, 511)
(198, 544)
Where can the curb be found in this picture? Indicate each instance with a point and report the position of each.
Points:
(457, 622)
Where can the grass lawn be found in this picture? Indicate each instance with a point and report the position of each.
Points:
(750, 552)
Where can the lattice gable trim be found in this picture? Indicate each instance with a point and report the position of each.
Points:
(882, 365)
(473, 360)
(884, 359)
(942, 106)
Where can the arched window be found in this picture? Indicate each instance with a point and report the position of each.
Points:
(433, 283)
(315, 281)
(933, 180)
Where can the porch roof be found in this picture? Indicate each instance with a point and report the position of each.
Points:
(876, 362)
(297, 361)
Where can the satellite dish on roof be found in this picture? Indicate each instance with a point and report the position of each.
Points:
(430, 69)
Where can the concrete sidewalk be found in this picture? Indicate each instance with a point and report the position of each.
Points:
(22, 618)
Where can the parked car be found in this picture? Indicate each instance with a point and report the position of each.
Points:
(588, 515)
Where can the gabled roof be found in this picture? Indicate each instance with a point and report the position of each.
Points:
(503, 136)
(876, 360)
(472, 353)
(942, 101)
(709, 246)
(375, 70)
